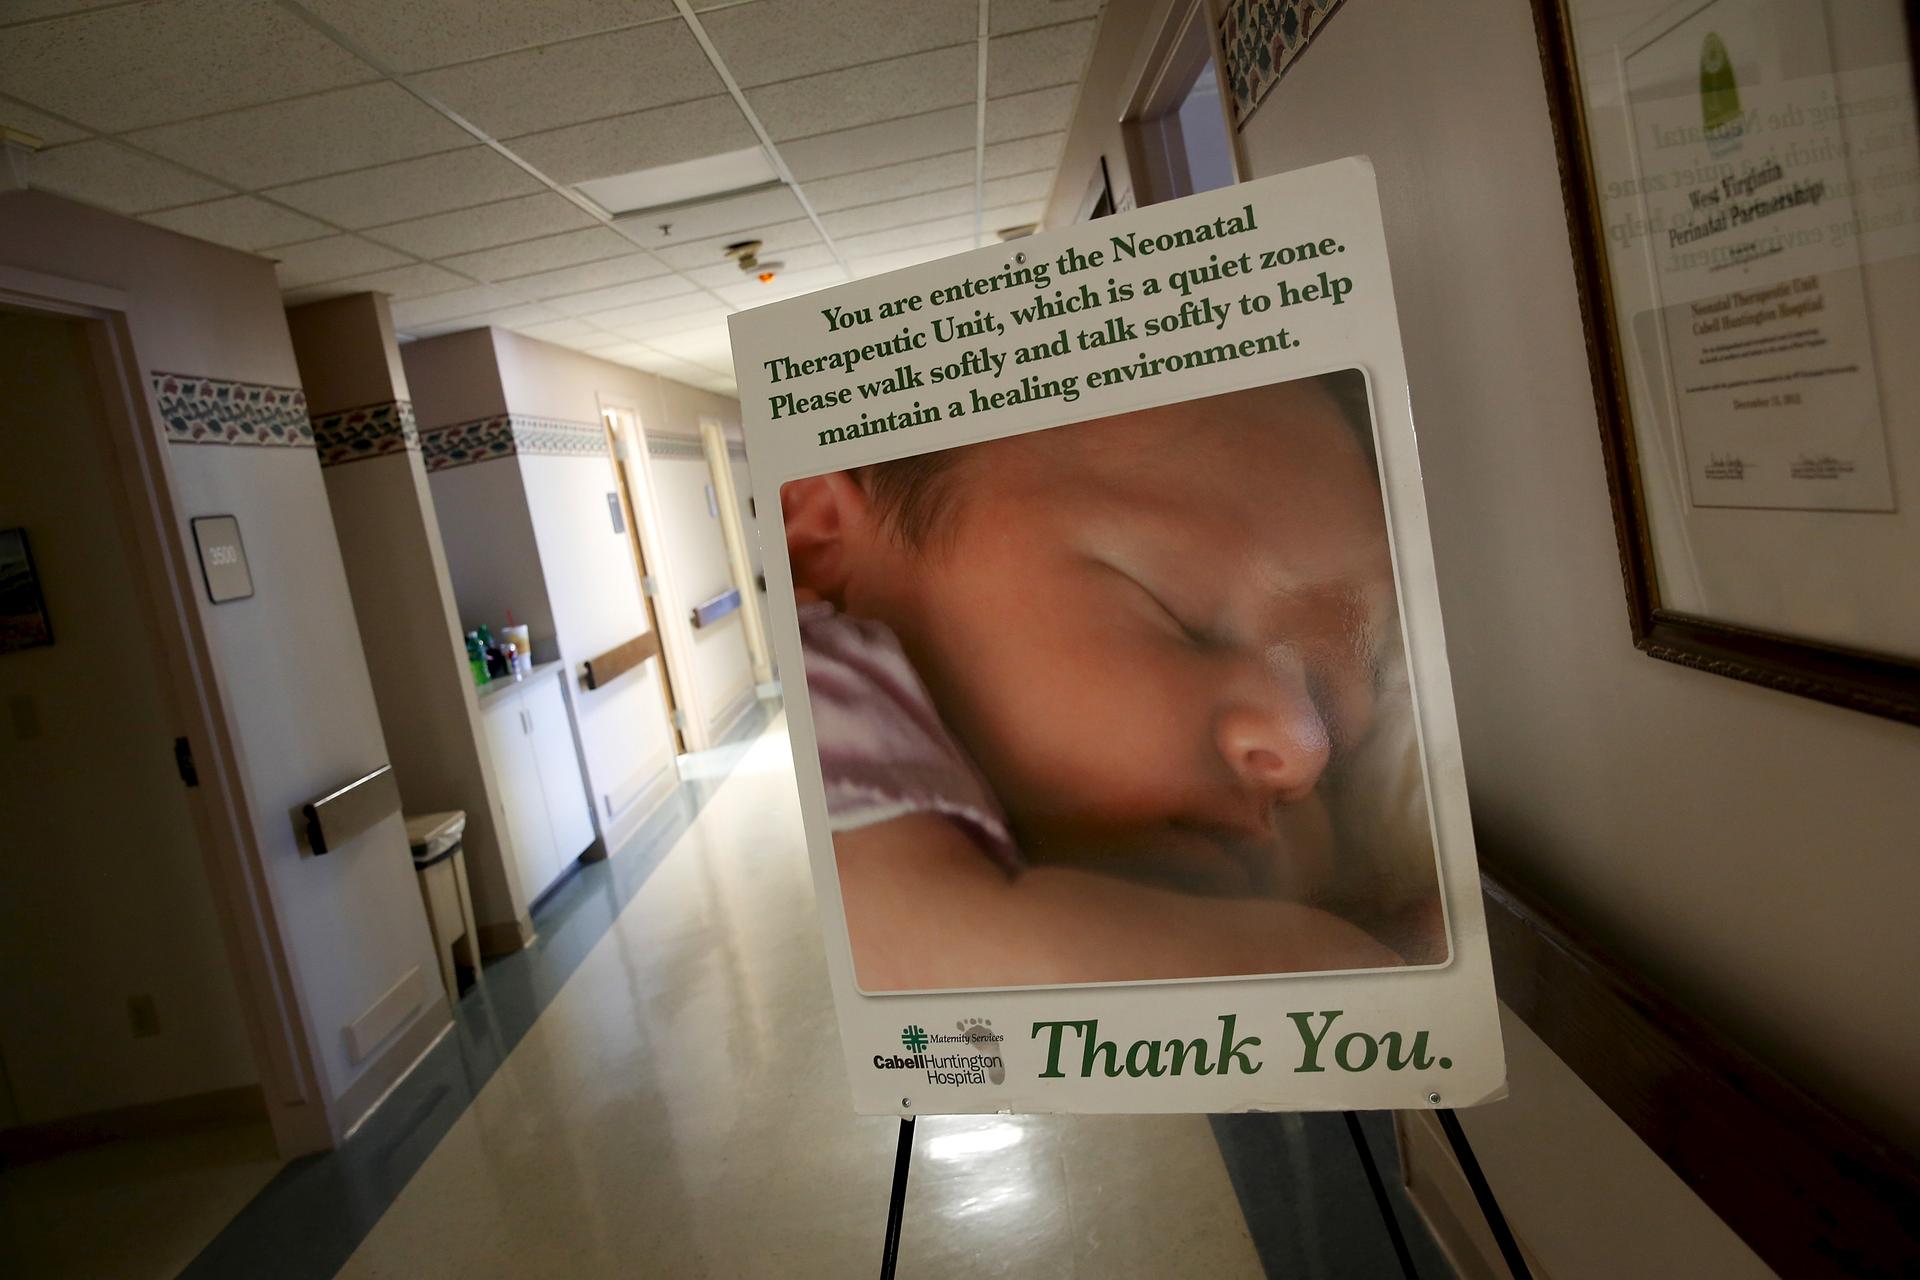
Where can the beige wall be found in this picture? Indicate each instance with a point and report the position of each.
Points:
(291, 677)
(103, 890)
(1753, 853)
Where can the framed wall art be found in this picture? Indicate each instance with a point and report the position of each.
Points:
(1742, 182)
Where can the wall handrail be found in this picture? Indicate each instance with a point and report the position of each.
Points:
(604, 669)
(349, 811)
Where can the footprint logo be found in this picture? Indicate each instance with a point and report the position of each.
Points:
(979, 1034)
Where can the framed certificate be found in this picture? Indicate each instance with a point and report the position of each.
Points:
(1743, 196)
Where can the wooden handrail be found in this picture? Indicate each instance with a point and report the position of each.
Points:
(1808, 1190)
(604, 669)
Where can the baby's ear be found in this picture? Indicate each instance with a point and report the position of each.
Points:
(827, 519)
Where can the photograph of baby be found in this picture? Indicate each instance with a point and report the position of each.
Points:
(1118, 701)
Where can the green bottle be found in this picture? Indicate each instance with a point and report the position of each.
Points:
(477, 658)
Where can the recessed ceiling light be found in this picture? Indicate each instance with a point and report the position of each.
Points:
(689, 181)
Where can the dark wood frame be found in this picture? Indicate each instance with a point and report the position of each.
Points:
(1808, 1190)
(1875, 683)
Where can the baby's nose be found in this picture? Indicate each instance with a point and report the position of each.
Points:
(1276, 742)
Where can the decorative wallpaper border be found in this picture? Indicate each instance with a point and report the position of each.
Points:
(371, 431)
(197, 410)
(674, 447)
(507, 435)
(1260, 40)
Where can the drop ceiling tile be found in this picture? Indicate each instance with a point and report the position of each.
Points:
(588, 79)
(1025, 155)
(638, 140)
(716, 217)
(114, 177)
(774, 240)
(1022, 15)
(764, 43)
(666, 366)
(412, 37)
(402, 284)
(621, 295)
(891, 142)
(25, 119)
(28, 10)
(1016, 190)
(1023, 115)
(897, 238)
(484, 226)
(564, 331)
(867, 94)
(588, 275)
(332, 258)
(642, 330)
(515, 318)
(880, 264)
(145, 64)
(751, 293)
(307, 137)
(592, 340)
(708, 346)
(450, 306)
(890, 182)
(722, 273)
(1038, 59)
(410, 188)
(623, 320)
(899, 213)
(545, 254)
(240, 222)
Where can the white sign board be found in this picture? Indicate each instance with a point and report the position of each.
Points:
(1100, 582)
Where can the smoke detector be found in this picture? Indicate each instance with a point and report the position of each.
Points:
(746, 255)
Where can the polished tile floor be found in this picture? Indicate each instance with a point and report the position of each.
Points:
(655, 1089)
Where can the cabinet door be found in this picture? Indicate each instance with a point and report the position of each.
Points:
(520, 792)
(559, 764)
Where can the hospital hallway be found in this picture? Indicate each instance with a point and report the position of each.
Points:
(656, 1088)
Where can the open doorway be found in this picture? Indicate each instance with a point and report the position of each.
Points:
(126, 1054)
(1179, 137)
(623, 433)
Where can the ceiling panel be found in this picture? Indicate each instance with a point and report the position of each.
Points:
(306, 137)
(588, 275)
(705, 253)
(679, 322)
(544, 254)
(483, 226)
(1024, 115)
(592, 340)
(565, 331)
(751, 293)
(415, 36)
(25, 119)
(1037, 59)
(1016, 190)
(28, 10)
(240, 222)
(624, 319)
(866, 94)
(890, 182)
(622, 295)
(895, 238)
(114, 177)
(641, 357)
(400, 283)
(909, 138)
(452, 305)
(764, 43)
(1019, 15)
(715, 218)
(410, 188)
(882, 263)
(1025, 155)
(590, 79)
(122, 68)
(896, 213)
(331, 258)
(706, 346)
(639, 140)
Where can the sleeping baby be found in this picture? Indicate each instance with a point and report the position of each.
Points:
(1118, 701)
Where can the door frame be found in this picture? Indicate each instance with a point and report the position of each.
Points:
(629, 466)
(733, 532)
(264, 974)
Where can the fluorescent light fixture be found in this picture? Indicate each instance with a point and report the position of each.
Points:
(688, 182)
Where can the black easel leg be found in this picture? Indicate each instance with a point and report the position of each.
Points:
(1387, 1216)
(897, 1204)
(1489, 1207)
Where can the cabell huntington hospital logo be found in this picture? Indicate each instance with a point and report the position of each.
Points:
(980, 1062)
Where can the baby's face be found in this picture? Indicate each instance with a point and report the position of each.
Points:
(1155, 632)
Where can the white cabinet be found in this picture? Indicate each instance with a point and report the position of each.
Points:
(530, 737)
